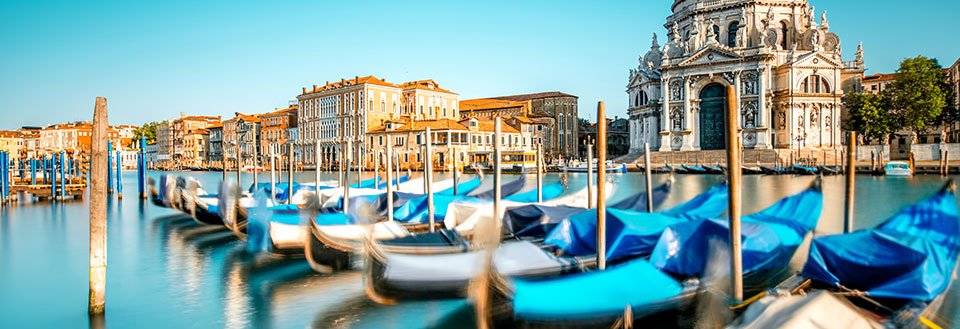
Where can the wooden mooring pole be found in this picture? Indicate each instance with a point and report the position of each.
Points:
(109, 168)
(601, 191)
(142, 168)
(119, 177)
(590, 187)
(497, 193)
(850, 187)
(539, 174)
(290, 173)
(428, 179)
(734, 174)
(273, 175)
(389, 173)
(647, 173)
(348, 158)
(98, 209)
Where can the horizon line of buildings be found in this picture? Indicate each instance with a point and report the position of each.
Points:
(369, 112)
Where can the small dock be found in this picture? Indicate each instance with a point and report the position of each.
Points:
(44, 192)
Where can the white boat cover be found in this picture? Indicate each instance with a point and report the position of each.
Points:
(513, 258)
(353, 237)
(463, 216)
(818, 310)
(331, 197)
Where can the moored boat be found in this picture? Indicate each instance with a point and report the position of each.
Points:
(897, 168)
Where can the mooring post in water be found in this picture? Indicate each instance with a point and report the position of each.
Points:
(273, 176)
(109, 167)
(456, 176)
(850, 187)
(376, 169)
(428, 172)
(98, 209)
(946, 162)
(316, 173)
(290, 173)
(348, 157)
(539, 159)
(590, 188)
(497, 193)
(734, 174)
(601, 191)
(341, 157)
(142, 168)
(360, 156)
(256, 166)
(647, 173)
(53, 177)
(43, 169)
(119, 177)
(389, 173)
(63, 175)
(33, 171)
(238, 157)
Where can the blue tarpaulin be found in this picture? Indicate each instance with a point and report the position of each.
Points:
(911, 256)
(415, 211)
(769, 238)
(383, 184)
(549, 192)
(463, 188)
(630, 233)
(638, 202)
(593, 294)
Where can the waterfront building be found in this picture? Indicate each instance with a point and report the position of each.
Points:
(176, 139)
(786, 68)
(348, 109)
(31, 140)
(215, 144)
(618, 138)
(71, 137)
(11, 142)
(245, 129)
(276, 130)
(953, 77)
(151, 154)
(553, 116)
(470, 140)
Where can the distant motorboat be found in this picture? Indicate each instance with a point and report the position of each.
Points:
(898, 168)
(611, 168)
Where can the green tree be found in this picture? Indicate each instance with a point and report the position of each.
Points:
(869, 114)
(148, 130)
(917, 94)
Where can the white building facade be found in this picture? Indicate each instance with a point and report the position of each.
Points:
(785, 67)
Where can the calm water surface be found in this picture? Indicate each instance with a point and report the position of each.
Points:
(164, 270)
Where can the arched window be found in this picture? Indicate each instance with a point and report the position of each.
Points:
(716, 33)
(784, 29)
(732, 34)
(815, 84)
(643, 98)
(636, 101)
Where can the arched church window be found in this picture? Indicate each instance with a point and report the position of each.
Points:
(784, 30)
(636, 101)
(643, 98)
(732, 34)
(716, 33)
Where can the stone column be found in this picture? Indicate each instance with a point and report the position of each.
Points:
(687, 135)
(664, 115)
(764, 126)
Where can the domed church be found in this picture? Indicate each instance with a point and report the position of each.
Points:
(786, 67)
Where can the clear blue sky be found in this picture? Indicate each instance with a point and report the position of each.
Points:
(154, 60)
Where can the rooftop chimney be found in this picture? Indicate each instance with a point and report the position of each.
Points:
(183, 114)
(356, 79)
(305, 89)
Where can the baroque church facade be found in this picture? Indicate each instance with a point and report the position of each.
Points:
(786, 69)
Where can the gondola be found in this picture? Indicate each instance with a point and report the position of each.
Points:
(284, 229)
(898, 272)
(714, 170)
(333, 241)
(395, 275)
(805, 170)
(669, 281)
(774, 170)
(696, 170)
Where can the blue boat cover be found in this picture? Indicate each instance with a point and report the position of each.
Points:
(549, 192)
(911, 256)
(629, 233)
(769, 238)
(415, 211)
(638, 202)
(593, 294)
(506, 189)
(281, 192)
(534, 220)
(463, 188)
(382, 185)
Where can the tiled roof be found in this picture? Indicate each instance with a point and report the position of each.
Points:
(440, 124)
(292, 109)
(489, 125)
(218, 125)
(372, 80)
(247, 117)
(527, 97)
(425, 85)
(9, 134)
(488, 104)
(880, 77)
(522, 119)
(199, 118)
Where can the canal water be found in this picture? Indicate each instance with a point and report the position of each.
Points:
(164, 270)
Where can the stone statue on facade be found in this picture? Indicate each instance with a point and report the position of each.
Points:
(859, 52)
(815, 40)
(823, 20)
(811, 23)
